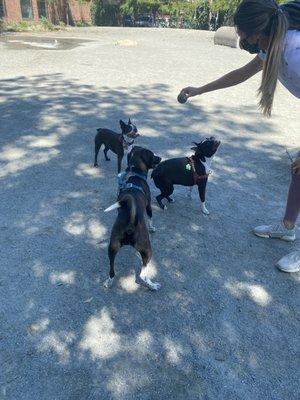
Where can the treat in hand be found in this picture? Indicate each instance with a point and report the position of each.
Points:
(182, 98)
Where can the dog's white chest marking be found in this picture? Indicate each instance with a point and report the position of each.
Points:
(207, 165)
(129, 148)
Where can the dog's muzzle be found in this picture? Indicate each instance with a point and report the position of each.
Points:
(216, 144)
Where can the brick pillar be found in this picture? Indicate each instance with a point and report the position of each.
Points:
(35, 10)
(13, 10)
(81, 12)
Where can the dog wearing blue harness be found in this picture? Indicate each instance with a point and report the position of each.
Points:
(134, 208)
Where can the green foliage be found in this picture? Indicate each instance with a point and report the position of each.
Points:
(105, 14)
(29, 26)
(46, 24)
(197, 14)
(135, 7)
(202, 16)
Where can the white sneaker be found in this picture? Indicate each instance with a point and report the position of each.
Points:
(276, 231)
(290, 262)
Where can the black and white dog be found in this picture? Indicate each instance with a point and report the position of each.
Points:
(118, 143)
(134, 206)
(186, 171)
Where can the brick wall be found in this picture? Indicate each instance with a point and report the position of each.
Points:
(80, 12)
(56, 12)
(13, 10)
(35, 10)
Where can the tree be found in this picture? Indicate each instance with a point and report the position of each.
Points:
(135, 7)
(105, 14)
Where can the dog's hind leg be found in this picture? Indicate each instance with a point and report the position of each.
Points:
(170, 199)
(112, 252)
(105, 153)
(151, 227)
(166, 192)
(97, 148)
(159, 201)
(143, 278)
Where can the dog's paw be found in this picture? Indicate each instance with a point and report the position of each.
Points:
(108, 283)
(154, 286)
(96, 165)
(152, 229)
(171, 200)
(205, 211)
(145, 281)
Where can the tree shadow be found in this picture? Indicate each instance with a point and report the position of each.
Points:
(210, 332)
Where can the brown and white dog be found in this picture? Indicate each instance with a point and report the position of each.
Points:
(118, 143)
(134, 206)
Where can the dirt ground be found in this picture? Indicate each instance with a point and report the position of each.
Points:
(225, 324)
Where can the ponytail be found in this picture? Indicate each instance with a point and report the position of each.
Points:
(267, 18)
(278, 29)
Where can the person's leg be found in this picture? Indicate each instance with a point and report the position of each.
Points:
(293, 203)
(285, 230)
(291, 262)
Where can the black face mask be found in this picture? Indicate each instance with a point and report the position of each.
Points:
(251, 48)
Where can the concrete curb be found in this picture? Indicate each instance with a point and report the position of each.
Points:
(226, 36)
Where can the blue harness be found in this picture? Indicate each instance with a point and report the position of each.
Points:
(123, 178)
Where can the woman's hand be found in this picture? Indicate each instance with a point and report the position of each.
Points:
(190, 91)
(296, 166)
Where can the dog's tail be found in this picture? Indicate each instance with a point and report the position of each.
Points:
(113, 207)
(128, 202)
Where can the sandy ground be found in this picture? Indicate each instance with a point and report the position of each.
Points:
(225, 324)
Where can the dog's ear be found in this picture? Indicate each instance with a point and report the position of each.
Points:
(122, 125)
(133, 156)
(194, 148)
(148, 157)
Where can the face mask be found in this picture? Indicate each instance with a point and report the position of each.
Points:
(251, 48)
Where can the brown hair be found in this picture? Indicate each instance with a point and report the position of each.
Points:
(265, 16)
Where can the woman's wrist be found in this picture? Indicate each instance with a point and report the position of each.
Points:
(200, 91)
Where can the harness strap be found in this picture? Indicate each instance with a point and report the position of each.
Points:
(124, 184)
(195, 175)
(131, 186)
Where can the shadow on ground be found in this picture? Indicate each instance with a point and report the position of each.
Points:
(222, 327)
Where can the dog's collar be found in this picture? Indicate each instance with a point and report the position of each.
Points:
(196, 177)
(125, 143)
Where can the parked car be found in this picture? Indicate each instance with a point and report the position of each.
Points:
(128, 20)
(145, 21)
(161, 23)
